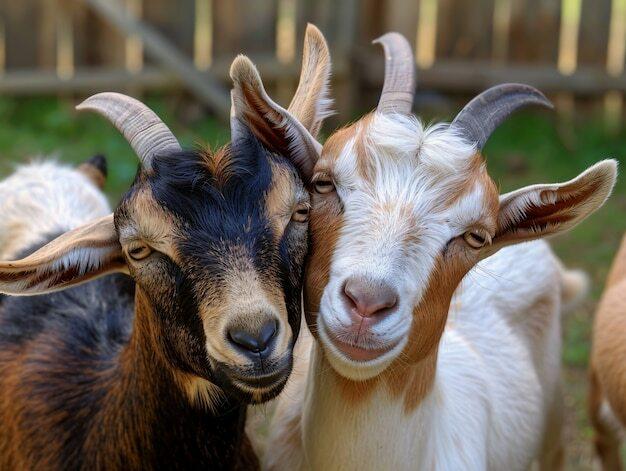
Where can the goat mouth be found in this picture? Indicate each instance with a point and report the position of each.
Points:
(261, 381)
(255, 385)
(360, 353)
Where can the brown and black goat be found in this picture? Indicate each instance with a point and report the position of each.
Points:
(155, 370)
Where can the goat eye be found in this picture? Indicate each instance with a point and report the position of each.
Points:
(475, 239)
(139, 252)
(323, 186)
(301, 214)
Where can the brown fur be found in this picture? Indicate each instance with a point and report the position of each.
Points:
(608, 363)
(94, 174)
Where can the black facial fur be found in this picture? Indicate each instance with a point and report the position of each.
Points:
(215, 216)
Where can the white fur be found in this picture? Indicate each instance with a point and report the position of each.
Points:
(44, 198)
(495, 400)
(491, 400)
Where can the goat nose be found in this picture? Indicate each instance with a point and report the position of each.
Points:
(256, 342)
(369, 298)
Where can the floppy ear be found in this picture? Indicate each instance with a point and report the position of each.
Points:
(287, 132)
(311, 103)
(543, 210)
(77, 256)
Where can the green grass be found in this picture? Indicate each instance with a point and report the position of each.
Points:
(44, 126)
(527, 149)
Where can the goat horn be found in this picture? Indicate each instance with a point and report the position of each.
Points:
(487, 111)
(399, 85)
(142, 128)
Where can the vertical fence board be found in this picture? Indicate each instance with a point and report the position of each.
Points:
(594, 32)
(175, 20)
(535, 31)
(21, 45)
(401, 16)
(464, 29)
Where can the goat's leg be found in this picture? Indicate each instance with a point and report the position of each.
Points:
(606, 440)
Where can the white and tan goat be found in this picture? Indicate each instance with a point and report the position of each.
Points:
(607, 399)
(437, 337)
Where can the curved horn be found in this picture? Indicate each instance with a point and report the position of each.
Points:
(141, 127)
(487, 111)
(399, 86)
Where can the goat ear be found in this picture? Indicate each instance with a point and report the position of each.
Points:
(543, 210)
(275, 127)
(75, 257)
(95, 169)
(311, 103)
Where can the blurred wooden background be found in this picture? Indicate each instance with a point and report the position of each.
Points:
(573, 48)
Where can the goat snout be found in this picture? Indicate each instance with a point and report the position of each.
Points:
(369, 298)
(254, 342)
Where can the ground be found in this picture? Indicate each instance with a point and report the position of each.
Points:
(527, 149)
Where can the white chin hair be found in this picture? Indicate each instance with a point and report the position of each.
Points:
(351, 369)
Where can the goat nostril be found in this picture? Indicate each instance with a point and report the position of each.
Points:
(256, 342)
(267, 333)
(352, 297)
(369, 298)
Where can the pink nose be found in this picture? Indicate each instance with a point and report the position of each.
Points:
(369, 298)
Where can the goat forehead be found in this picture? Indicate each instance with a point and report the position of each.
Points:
(200, 221)
(421, 187)
(385, 151)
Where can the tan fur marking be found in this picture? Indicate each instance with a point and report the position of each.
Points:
(219, 164)
(474, 175)
(93, 174)
(199, 391)
(334, 145)
(608, 363)
(152, 223)
(364, 161)
(324, 226)
(280, 201)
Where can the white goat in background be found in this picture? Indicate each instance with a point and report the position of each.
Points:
(416, 365)
(44, 198)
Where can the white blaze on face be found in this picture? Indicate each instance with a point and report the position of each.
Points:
(398, 215)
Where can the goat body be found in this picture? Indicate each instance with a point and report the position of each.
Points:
(479, 377)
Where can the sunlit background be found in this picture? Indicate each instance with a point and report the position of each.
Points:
(175, 54)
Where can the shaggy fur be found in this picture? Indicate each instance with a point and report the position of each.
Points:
(42, 198)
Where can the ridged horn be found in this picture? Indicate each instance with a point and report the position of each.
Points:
(142, 128)
(481, 116)
(399, 86)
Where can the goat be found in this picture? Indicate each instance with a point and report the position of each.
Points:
(155, 370)
(437, 340)
(607, 398)
(44, 198)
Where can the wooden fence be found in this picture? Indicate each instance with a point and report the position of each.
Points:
(569, 47)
